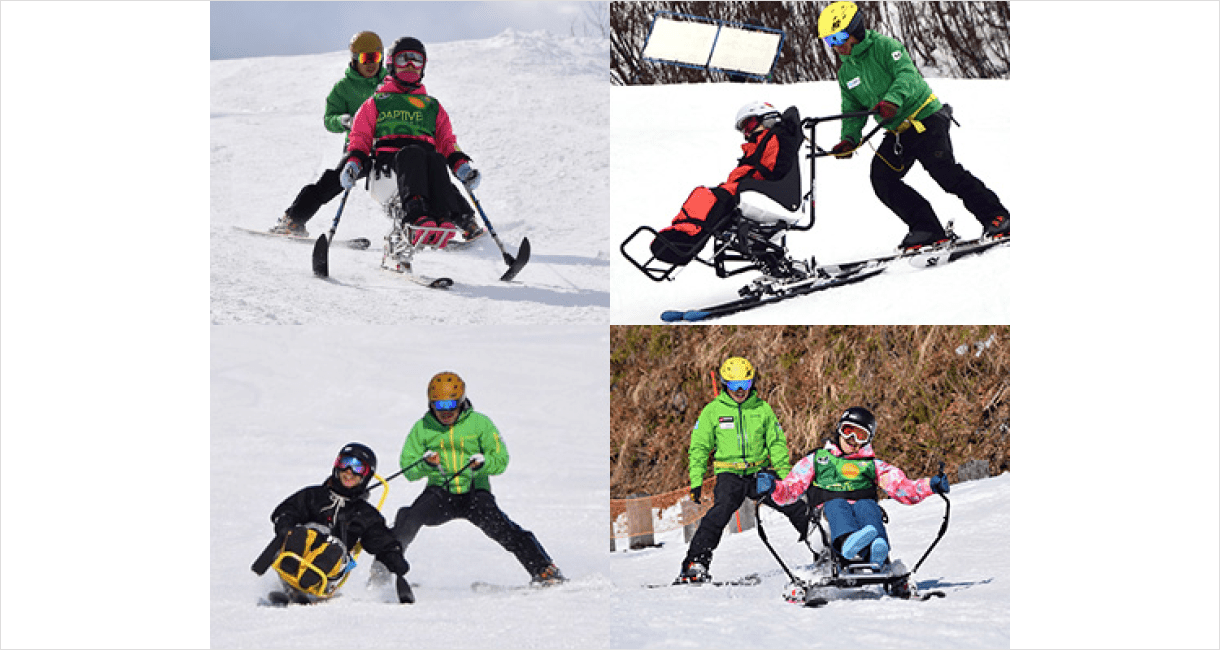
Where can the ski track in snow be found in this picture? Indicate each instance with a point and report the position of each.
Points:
(541, 143)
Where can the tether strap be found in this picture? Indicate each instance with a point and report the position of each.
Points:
(911, 121)
(728, 465)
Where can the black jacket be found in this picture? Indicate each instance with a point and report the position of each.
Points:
(351, 520)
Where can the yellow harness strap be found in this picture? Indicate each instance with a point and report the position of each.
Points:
(727, 465)
(911, 121)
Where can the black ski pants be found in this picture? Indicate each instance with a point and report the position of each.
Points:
(422, 172)
(313, 196)
(934, 150)
(731, 490)
(436, 506)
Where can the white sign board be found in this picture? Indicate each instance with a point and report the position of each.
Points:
(712, 45)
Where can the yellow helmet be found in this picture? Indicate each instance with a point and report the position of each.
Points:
(842, 16)
(365, 42)
(736, 369)
(446, 386)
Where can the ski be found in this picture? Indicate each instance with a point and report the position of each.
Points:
(801, 288)
(359, 243)
(923, 258)
(422, 280)
(490, 587)
(750, 580)
(818, 601)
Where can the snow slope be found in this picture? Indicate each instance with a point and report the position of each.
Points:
(530, 109)
(278, 416)
(667, 140)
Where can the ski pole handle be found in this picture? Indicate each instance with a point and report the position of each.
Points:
(396, 474)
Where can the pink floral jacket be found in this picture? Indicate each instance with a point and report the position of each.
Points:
(891, 479)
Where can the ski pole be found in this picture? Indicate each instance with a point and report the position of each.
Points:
(944, 525)
(523, 252)
(455, 474)
(763, 536)
(321, 249)
(396, 474)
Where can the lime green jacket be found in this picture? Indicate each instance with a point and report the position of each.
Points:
(879, 69)
(347, 95)
(472, 433)
(739, 438)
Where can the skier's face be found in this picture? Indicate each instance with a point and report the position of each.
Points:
(446, 417)
(845, 48)
(368, 63)
(348, 478)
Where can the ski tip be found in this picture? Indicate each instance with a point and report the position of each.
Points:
(441, 283)
(672, 316)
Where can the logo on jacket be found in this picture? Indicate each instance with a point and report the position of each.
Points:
(416, 102)
(726, 422)
(851, 470)
(897, 54)
(853, 83)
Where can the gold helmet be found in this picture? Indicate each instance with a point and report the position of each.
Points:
(365, 42)
(446, 387)
(840, 16)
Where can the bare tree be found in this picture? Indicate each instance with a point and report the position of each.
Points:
(948, 39)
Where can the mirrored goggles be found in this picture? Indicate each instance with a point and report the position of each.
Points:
(368, 57)
(749, 124)
(836, 39)
(740, 384)
(403, 59)
(857, 434)
(353, 464)
(445, 404)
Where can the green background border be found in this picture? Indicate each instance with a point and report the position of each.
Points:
(1114, 325)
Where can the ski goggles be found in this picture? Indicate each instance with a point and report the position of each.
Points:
(740, 384)
(368, 57)
(858, 434)
(836, 39)
(445, 404)
(403, 59)
(352, 463)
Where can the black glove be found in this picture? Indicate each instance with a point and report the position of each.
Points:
(405, 595)
(695, 493)
(843, 150)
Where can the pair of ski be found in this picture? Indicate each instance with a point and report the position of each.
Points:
(830, 276)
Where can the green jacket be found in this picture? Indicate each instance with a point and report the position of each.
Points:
(878, 69)
(347, 95)
(472, 433)
(740, 438)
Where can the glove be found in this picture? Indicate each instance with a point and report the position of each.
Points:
(764, 484)
(345, 121)
(347, 177)
(939, 484)
(432, 458)
(887, 109)
(695, 493)
(477, 459)
(468, 175)
(843, 150)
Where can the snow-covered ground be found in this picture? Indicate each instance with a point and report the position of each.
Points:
(667, 140)
(531, 109)
(285, 399)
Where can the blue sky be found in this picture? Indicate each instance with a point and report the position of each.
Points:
(250, 29)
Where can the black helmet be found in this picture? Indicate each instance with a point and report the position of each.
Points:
(860, 417)
(407, 44)
(361, 460)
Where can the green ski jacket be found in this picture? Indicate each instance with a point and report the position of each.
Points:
(472, 433)
(740, 438)
(347, 95)
(879, 69)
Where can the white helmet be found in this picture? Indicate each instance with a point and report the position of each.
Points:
(761, 110)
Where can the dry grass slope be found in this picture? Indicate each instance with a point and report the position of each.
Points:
(939, 392)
